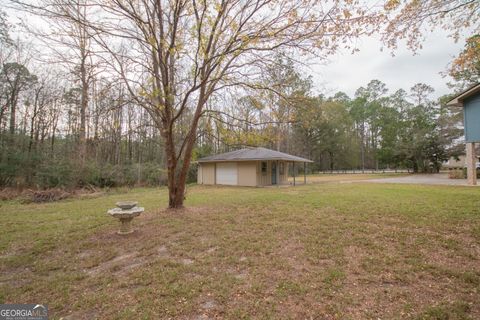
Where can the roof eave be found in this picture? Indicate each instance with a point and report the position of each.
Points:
(244, 160)
(457, 101)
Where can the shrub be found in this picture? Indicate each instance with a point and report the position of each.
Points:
(153, 174)
(465, 173)
(8, 173)
(98, 175)
(192, 173)
(13, 167)
(456, 174)
(54, 174)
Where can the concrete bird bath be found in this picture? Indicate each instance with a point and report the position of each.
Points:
(125, 212)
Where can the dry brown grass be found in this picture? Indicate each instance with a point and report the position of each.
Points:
(323, 251)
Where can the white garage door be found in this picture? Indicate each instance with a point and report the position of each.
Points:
(227, 173)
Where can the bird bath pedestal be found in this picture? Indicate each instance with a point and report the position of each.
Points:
(125, 212)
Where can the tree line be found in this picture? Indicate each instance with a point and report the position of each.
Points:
(374, 129)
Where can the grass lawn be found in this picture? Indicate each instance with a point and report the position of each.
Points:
(343, 177)
(320, 251)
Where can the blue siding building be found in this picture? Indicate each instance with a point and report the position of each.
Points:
(469, 100)
(471, 116)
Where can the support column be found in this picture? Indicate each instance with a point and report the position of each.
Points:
(471, 164)
(304, 173)
(277, 174)
(293, 172)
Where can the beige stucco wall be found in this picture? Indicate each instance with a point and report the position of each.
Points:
(199, 174)
(206, 173)
(247, 173)
(284, 176)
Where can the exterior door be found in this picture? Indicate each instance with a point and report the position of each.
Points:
(227, 173)
(274, 172)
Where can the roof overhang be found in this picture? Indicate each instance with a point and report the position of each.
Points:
(246, 160)
(252, 154)
(457, 101)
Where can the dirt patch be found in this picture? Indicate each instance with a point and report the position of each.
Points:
(120, 264)
(80, 315)
(209, 304)
(241, 276)
(354, 256)
(186, 261)
(163, 251)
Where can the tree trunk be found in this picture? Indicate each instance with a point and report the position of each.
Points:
(362, 146)
(13, 112)
(82, 145)
(177, 180)
(331, 160)
(175, 199)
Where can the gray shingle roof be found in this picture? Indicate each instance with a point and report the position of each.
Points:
(253, 154)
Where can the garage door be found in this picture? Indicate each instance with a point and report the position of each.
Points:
(227, 173)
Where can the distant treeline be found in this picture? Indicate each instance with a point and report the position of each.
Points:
(74, 127)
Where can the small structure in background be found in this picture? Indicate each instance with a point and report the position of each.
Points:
(460, 162)
(125, 212)
(470, 101)
(252, 167)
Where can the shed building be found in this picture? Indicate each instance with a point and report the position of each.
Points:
(253, 167)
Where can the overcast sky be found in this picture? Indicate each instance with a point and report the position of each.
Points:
(346, 72)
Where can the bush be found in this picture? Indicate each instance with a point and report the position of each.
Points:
(98, 175)
(55, 174)
(192, 174)
(460, 173)
(456, 174)
(107, 175)
(13, 167)
(465, 173)
(8, 173)
(152, 174)
(44, 172)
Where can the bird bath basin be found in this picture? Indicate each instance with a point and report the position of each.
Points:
(125, 205)
(125, 212)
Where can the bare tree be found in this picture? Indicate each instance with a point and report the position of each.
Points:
(174, 56)
(14, 78)
(64, 34)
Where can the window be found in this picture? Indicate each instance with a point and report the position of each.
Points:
(264, 167)
(281, 168)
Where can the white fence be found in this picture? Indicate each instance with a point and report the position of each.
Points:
(355, 171)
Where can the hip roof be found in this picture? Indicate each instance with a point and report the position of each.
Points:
(257, 154)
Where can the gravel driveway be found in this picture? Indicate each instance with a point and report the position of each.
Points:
(439, 178)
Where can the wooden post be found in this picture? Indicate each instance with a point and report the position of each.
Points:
(471, 164)
(304, 173)
(293, 172)
(277, 174)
